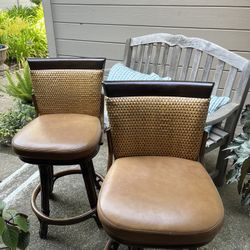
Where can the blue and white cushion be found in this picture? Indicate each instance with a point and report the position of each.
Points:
(216, 102)
(120, 72)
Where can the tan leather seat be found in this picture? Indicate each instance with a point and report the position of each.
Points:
(58, 137)
(159, 201)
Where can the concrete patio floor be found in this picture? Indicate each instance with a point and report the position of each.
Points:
(70, 199)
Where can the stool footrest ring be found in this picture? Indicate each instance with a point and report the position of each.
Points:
(56, 221)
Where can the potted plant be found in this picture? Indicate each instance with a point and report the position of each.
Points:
(3, 57)
(14, 229)
(240, 154)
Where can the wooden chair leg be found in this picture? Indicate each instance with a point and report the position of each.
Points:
(44, 171)
(97, 180)
(111, 245)
(87, 173)
(51, 180)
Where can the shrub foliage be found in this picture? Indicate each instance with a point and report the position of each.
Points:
(15, 119)
(23, 30)
(19, 86)
(240, 154)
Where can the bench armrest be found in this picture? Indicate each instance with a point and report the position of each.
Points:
(222, 113)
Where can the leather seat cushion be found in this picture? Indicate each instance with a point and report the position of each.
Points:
(58, 137)
(160, 201)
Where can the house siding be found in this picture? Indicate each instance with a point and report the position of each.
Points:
(101, 27)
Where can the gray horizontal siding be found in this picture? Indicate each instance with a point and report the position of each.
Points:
(119, 33)
(216, 3)
(165, 16)
(101, 27)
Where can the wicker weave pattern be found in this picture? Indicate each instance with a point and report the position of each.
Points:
(68, 91)
(157, 126)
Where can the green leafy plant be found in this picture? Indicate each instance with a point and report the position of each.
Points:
(37, 2)
(14, 228)
(23, 30)
(21, 86)
(15, 119)
(22, 11)
(240, 154)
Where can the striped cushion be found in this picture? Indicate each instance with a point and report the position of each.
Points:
(119, 72)
(215, 103)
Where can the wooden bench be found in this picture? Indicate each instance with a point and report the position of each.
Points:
(191, 59)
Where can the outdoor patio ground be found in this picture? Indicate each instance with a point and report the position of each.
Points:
(70, 199)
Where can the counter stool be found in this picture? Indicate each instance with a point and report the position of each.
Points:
(67, 131)
(157, 192)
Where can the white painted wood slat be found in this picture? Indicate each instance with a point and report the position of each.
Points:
(148, 55)
(195, 66)
(186, 62)
(175, 57)
(163, 68)
(140, 58)
(219, 132)
(217, 76)
(214, 137)
(207, 68)
(230, 81)
(156, 57)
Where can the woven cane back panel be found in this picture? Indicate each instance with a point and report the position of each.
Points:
(67, 91)
(157, 126)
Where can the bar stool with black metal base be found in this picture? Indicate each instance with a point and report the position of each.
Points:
(67, 131)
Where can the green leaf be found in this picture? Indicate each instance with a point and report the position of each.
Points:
(23, 240)
(2, 225)
(245, 200)
(243, 173)
(21, 220)
(232, 156)
(2, 206)
(10, 236)
(233, 175)
(9, 214)
(232, 146)
(244, 136)
(27, 76)
(239, 139)
(240, 160)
